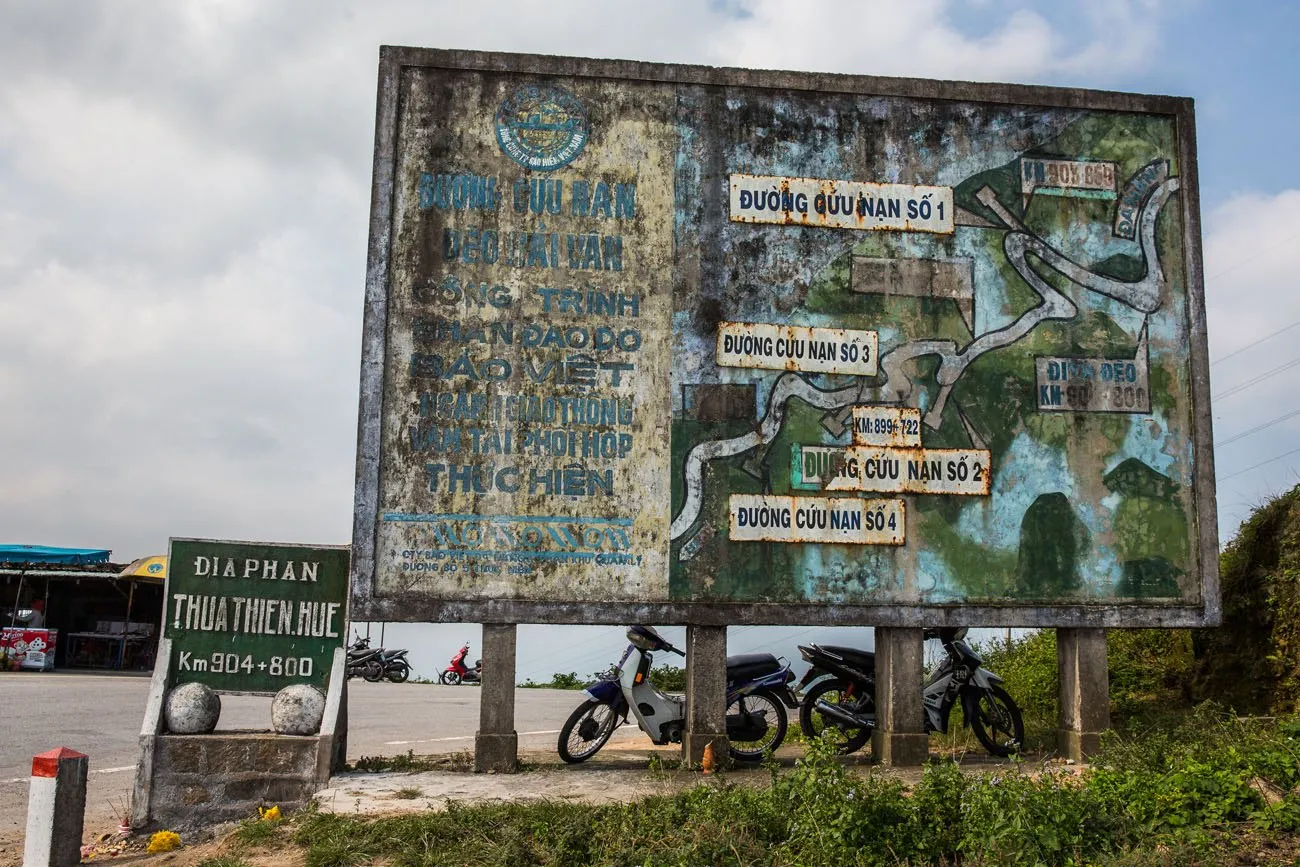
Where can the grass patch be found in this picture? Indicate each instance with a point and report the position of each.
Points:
(1212, 789)
(253, 833)
(409, 793)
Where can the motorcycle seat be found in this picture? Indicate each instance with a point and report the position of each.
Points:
(750, 666)
(864, 659)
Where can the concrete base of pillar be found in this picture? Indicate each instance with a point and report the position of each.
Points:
(899, 738)
(496, 753)
(899, 748)
(706, 694)
(693, 745)
(1085, 691)
(1078, 745)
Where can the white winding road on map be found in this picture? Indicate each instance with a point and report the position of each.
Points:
(1142, 295)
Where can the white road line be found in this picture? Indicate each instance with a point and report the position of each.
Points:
(95, 771)
(460, 738)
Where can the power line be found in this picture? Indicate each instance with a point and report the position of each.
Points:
(1242, 386)
(1253, 344)
(1258, 465)
(1257, 428)
(1261, 254)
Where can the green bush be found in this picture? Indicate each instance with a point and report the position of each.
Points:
(560, 680)
(667, 677)
(1150, 676)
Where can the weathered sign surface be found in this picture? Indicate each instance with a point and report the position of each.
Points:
(254, 617)
(694, 345)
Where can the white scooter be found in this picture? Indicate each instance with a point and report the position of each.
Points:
(758, 692)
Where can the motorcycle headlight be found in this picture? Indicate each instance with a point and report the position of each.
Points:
(644, 638)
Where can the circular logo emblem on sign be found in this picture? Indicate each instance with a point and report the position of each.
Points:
(542, 128)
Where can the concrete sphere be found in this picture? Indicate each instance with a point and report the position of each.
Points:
(298, 710)
(192, 709)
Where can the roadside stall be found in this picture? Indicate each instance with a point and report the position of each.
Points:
(73, 608)
(28, 640)
(127, 642)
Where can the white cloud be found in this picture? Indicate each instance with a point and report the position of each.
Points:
(1252, 254)
(921, 39)
(184, 194)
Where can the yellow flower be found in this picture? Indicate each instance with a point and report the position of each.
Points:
(163, 841)
(270, 814)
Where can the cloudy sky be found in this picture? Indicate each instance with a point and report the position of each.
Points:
(184, 189)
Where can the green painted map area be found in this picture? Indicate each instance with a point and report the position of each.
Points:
(1050, 328)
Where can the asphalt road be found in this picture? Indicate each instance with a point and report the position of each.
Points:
(100, 715)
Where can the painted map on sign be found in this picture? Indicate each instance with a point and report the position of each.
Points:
(1043, 353)
(672, 342)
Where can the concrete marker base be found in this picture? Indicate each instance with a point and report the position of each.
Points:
(56, 809)
(496, 752)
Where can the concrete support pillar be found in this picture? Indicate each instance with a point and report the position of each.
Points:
(56, 808)
(496, 745)
(706, 694)
(899, 738)
(1085, 691)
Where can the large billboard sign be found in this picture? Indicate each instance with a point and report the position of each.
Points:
(696, 345)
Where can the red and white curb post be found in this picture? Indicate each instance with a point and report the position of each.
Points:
(56, 809)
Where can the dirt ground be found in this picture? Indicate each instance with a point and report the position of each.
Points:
(614, 775)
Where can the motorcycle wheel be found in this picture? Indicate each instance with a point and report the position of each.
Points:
(449, 678)
(398, 673)
(586, 731)
(773, 711)
(812, 722)
(996, 720)
(373, 673)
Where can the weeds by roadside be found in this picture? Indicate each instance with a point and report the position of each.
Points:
(409, 763)
(1208, 791)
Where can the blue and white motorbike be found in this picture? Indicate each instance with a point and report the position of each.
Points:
(758, 693)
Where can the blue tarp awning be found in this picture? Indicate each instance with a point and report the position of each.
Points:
(60, 556)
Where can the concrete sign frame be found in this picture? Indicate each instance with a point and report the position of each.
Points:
(551, 117)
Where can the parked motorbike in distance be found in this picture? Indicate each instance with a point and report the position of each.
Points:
(395, 665)
(758, 693)
(845, 700)
(458, 672)
(363, 660)
(376, 663)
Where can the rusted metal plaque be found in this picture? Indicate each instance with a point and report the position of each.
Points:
(794, 347)
(894, 470)
(651, 342)
(817, 520)
(842, 204)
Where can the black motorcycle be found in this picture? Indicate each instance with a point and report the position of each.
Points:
(845, 700)
(374, 664)
(394, 664)
(365, 661)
